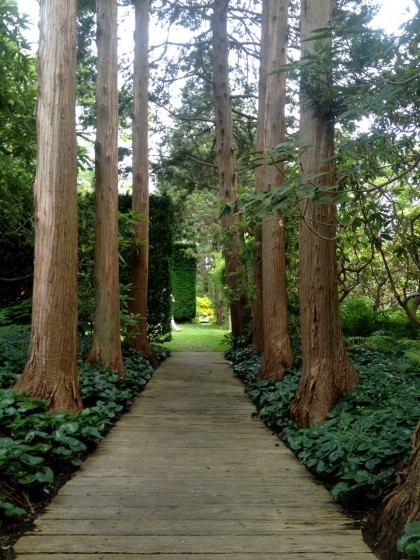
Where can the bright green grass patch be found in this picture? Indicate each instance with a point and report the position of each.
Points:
(199, 338)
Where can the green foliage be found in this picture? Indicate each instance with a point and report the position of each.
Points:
(161, 226)
(409, 543)
(17, 154)
(86, 283)
(161, 353)
(381, 341)
(36, 444)
(161, 231)
(358, 317)
(17, 313)
(366, 435)
(183, 276)
(14, 343)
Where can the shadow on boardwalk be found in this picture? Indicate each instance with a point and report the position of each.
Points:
(187, 474)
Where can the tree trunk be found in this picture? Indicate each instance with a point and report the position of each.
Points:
(51, 370)
(218, 303)
(106, 345)
(258, 297)
(328, 374)
(140, 261)
(277, 350)
(227, 165)
(400, 506)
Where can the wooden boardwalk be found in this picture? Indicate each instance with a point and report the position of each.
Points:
(187, 474)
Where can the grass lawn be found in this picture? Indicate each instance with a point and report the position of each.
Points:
(198, 338)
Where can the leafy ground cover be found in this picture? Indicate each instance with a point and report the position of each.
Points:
(39, 450)
(199, 337)
(367, 436)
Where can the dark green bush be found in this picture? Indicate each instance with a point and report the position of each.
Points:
(183, 276)
(358, 317)
(14, 343)
(161, 247)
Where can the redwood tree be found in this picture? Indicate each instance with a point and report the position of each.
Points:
(51, 370)
(258, 295)
(140, 261)
(106, 344)
(277, 350)
(226, 163)
(328, 374)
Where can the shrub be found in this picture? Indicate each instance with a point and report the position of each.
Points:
(160, 287)
(14, 343)
(183, 276)
(358, 317)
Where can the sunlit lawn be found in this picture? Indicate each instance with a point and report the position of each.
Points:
(198, 338)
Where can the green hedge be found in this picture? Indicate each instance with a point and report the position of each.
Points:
(183, 276)
(161, 245)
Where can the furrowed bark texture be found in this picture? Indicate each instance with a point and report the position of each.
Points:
(140, 262)
(258, 298)
(51, 370)
(400, 506)
(106, 344)
(328, 374)
(277, 350)
(227, 164)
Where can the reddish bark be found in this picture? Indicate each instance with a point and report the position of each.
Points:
(328, 374)
(106, 344)
(239, 309)
(51, 370)
(140, 261)
(277, 350)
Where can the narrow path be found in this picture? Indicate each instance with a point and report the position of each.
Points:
(187, 474)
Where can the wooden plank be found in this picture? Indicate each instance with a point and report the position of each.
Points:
(187, 544)
(229, 556)
(194, 527)
(206, 512)
(226, 556)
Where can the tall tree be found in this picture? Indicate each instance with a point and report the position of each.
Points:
(328, 374)
(140, 261)
(258, 295)
(226, 162)
(51, 369)
(277, 350)
(106, 344)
